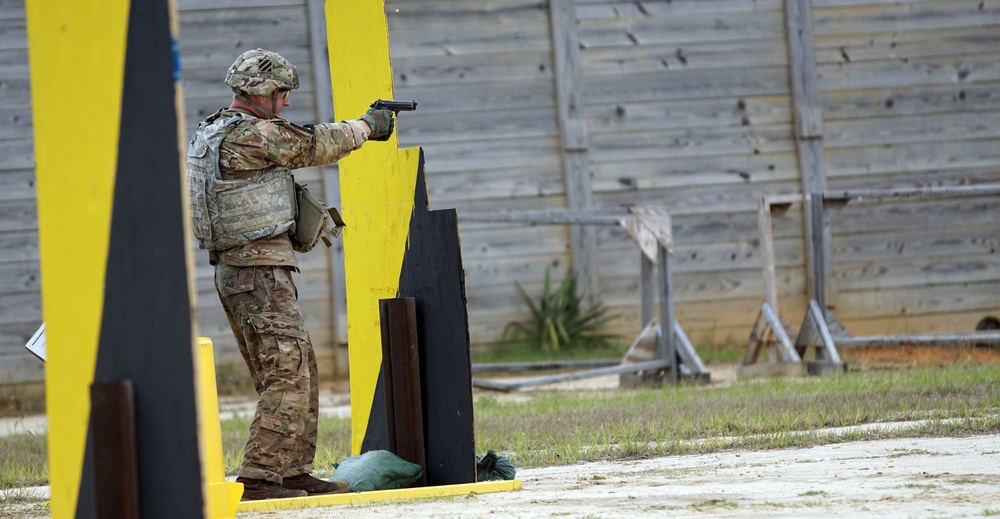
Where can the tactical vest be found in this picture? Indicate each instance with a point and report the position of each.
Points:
(231, 213)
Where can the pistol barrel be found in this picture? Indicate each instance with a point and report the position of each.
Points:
(395, 106)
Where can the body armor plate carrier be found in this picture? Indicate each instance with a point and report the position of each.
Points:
(232, 213)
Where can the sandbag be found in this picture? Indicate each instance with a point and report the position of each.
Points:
(493, 467)
(376, 470)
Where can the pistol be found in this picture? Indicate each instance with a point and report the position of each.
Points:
(395, 106)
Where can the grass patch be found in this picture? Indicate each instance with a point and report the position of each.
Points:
(558, 428)
(899, 453)
(713, 504)
(990, 512)
(24, 463)
(730, 353)
(549, 428)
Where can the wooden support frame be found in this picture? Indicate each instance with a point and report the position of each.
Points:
(651, 228)
(645, 348)
(814, 333)
(820, 327)
(769, 335)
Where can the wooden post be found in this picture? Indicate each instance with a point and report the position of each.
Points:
(809, 135)
(116, 464)
(666, 348)
(765, 231)
(574, 138)
(648, 292)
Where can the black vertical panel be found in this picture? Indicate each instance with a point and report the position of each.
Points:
(377, 432)
(433, 274)
(146, 325)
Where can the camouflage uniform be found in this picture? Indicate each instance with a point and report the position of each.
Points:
(255, 286)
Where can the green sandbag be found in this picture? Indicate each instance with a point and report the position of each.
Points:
(376, 470)
(493, 467)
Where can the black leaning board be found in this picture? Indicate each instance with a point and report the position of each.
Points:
(433, 274)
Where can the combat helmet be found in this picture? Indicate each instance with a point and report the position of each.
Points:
(264, 73)
(260, 72)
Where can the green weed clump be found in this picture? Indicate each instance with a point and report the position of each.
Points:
(560, 320)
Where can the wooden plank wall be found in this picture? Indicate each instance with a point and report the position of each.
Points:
(487, 119)
(703, 125)
(20, 277)
(911, 97)
(687, 103)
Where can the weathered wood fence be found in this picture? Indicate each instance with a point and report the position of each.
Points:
(700, 105)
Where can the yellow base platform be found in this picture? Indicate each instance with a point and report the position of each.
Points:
(352, 498)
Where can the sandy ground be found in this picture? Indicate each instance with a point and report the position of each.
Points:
(906, 478)
(924, 477)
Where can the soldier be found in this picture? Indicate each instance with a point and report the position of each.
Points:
(243, 202)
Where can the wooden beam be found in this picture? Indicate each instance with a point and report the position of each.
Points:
(666, 349)
(652, 365)
(919, 192)
(542, 366)
(647, 290)
(766, 234)
(568, 216)
(574, 137)
(809, 143)
(937, 339)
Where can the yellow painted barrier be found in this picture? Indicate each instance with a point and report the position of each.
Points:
(71, 42)
(223, 496)
(376, 188)
(355, 498)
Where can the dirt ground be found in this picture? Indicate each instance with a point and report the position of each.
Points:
(909, 356)
(909, 478)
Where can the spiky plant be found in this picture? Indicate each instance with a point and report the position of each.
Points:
(560, 320)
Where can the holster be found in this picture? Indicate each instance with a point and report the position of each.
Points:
(312, 221)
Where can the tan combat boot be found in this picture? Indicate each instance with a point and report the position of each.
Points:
(254, 489)
(313, 485)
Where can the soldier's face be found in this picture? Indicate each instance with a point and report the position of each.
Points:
(284, 100)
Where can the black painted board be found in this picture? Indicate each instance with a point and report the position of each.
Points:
(146, 320)
(434, 275)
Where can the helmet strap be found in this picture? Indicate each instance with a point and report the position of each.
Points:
(268, 114)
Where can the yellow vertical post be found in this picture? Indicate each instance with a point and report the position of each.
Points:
(223, 496)
(69, 41)
(376, 186)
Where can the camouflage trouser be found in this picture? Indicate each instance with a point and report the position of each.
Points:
(262, 307)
